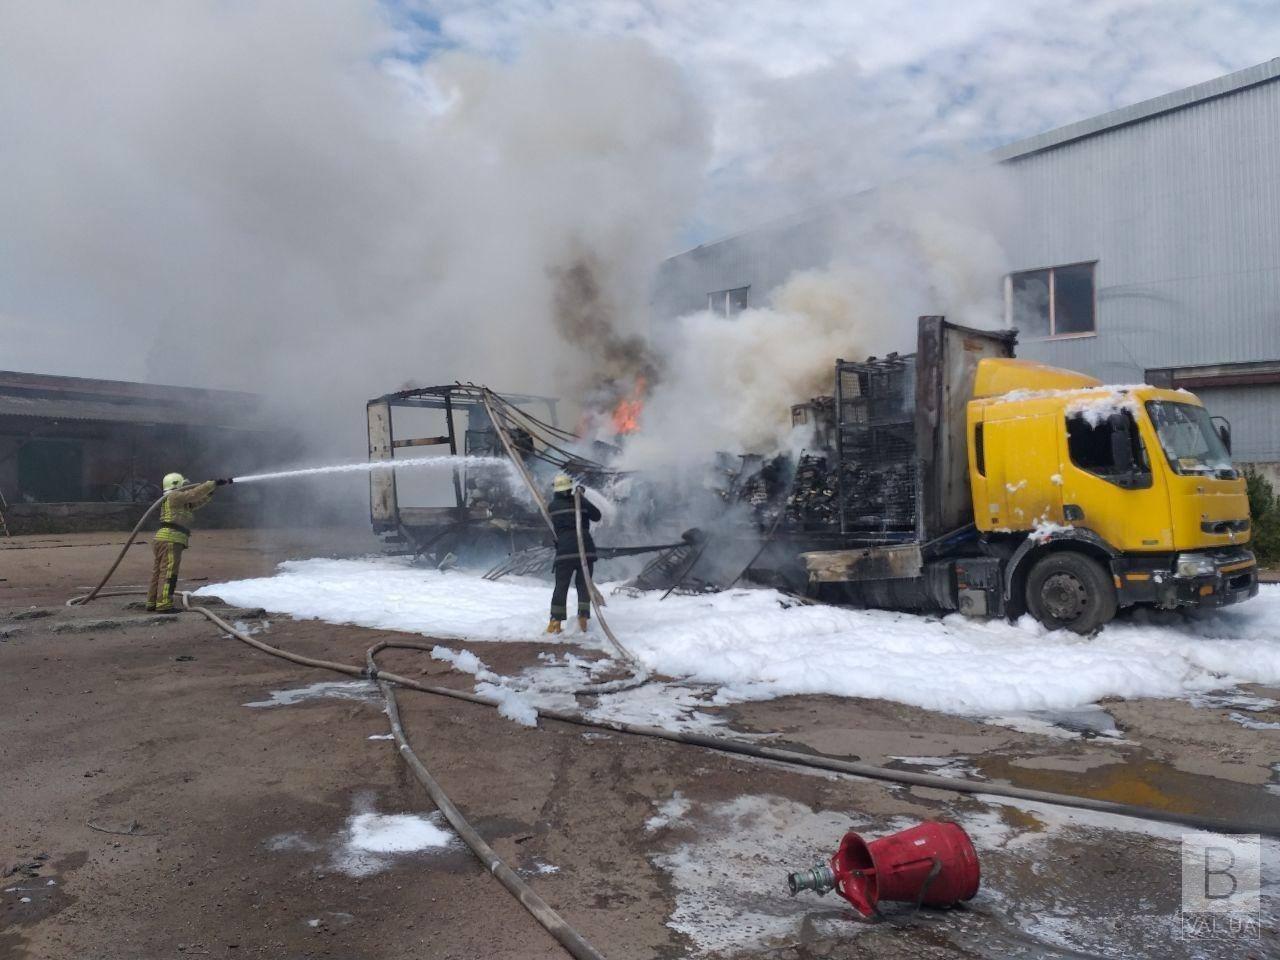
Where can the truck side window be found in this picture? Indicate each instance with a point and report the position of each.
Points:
(1111, 449)
(979, 449)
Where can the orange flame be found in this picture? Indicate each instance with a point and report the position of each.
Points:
(626, 414)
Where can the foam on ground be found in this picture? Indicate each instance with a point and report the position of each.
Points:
(372, 841)
(755, 644)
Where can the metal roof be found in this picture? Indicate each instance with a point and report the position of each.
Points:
(45, 397)
(1209, 90)
(54, 408)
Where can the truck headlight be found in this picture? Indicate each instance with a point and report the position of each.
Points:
(1195, 565)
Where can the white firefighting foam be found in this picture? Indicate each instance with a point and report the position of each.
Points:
(758, 644)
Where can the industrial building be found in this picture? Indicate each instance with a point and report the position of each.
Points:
(1146, 248)
(82, 454)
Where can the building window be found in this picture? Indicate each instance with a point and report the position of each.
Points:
(1055, 302)
(727, 303)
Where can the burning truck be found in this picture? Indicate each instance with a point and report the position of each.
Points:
(956, 478)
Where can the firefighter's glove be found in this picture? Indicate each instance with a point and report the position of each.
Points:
(224, 481)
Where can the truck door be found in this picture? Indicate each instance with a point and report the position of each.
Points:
(1023, 472)
(1110, 485)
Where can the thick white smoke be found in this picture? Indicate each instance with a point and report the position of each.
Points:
(923, 246)
(278, 197)
(283, 197)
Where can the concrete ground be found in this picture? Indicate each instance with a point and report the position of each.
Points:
(149, 813)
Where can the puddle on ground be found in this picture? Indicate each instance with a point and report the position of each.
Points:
(1146, 783)
(1253, 723)
(1055, 882)
(728, 862)
(956, 767)
(34, 888)
(1232, 701)
(325, 690)
(1087, 722)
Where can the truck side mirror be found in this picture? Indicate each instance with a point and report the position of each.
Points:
(1121, 444)
(1224, 431)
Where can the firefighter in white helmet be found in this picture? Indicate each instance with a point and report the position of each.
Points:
(181, 501)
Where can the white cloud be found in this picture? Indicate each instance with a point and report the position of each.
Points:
(825, 96)
(256, 194)
(262, 195)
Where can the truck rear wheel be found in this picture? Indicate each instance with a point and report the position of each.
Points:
(1069, 591)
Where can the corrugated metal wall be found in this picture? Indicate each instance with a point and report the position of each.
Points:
(1255, 434)
(1181, 211)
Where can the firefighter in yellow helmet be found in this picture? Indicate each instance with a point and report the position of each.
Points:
(568, 563)
(176, 515)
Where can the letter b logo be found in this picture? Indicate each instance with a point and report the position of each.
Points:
(1221, 874)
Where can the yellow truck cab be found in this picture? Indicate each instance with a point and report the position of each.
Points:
(1034, 489)
(1120, 495)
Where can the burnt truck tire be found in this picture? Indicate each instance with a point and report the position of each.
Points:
(1069, 591)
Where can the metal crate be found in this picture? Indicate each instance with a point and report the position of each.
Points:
(876, 444)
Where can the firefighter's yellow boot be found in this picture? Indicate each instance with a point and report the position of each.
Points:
(583, 624)
(554, 627)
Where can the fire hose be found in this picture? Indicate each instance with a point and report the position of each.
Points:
(552, 922)
(133, 535)
(597, 601)
(815, 761)
(564, 934)
(725, 745)
(570, 939)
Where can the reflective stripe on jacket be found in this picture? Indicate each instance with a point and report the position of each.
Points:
(177, 513)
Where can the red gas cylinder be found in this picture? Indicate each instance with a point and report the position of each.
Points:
(933, 863)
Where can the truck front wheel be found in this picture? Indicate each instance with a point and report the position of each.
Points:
(1067, 590)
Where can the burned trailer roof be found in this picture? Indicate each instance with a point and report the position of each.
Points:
(456, 395)
(488, 514)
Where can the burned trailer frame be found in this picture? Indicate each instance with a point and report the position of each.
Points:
(421, 527)
(899, 430)
(881, 491)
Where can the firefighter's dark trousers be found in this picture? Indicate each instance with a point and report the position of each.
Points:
(567, 570)
(164, 574)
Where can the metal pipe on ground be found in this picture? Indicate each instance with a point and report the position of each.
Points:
(791, 757)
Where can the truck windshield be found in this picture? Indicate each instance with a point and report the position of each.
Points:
(1190, 443)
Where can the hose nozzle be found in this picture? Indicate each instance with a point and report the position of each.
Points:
(819, 879)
